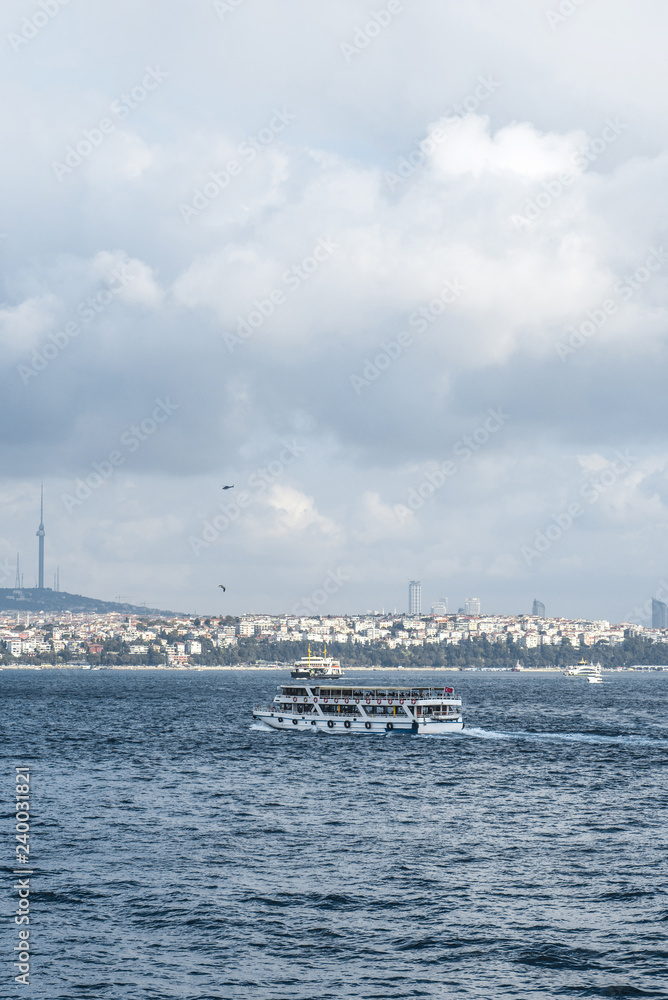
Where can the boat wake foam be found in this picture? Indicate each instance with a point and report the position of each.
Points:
(622, 739)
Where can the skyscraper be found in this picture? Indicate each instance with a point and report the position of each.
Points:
(414, 597)
(538, 608)
(440, 607)
(40, 534)
(659, 614)
(472, 606)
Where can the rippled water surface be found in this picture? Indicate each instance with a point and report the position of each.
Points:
(181, 852)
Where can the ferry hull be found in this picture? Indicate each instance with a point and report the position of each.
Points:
(404, 726)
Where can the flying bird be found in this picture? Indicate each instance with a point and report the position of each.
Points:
(228, 487)
(221, 587)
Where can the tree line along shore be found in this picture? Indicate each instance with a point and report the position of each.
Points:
(477, 652)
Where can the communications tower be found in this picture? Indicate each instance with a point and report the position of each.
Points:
(40, 534)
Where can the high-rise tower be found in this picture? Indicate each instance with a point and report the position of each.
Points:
(659, 614)
(40, 534)
(414, 597)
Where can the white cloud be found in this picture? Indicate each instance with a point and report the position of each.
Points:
(24, 325)
(518, 149)
(295, 513)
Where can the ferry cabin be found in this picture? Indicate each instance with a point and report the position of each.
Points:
(357, 709)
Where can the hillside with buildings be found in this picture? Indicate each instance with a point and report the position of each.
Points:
(456, 640)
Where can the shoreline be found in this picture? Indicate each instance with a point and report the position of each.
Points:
(659, 668)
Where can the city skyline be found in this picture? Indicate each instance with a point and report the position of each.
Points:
(177, 640)
(645, 611)
(651, 610)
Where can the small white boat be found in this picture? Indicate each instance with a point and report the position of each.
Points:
(363, 710)
(591, 672)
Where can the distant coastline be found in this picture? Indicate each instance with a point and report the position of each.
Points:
(351, 670)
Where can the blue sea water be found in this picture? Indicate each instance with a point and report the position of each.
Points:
(180, 851)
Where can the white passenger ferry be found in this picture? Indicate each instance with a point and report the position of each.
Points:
(591, 672)
(317, 666)
(363, 710)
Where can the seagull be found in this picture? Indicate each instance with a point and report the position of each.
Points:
(221, 587)
(228, 487)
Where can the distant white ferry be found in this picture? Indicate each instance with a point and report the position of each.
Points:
(317, 666)
(363, 710)
(590, 672)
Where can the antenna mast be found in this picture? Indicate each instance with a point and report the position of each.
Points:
(40, 535)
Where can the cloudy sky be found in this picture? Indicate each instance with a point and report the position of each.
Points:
(397, 271)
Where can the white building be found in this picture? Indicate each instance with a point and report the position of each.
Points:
(472, 606)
